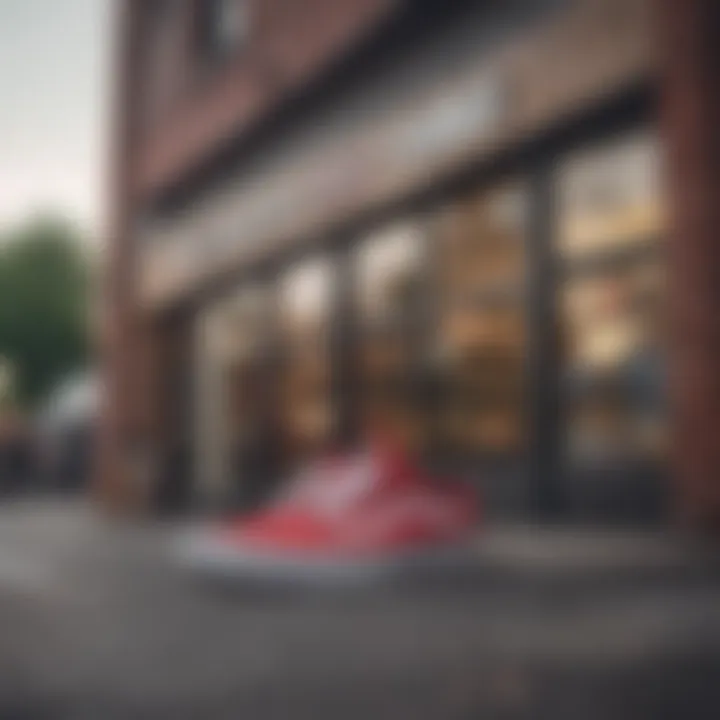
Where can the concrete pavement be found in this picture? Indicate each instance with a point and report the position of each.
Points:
(97, 623)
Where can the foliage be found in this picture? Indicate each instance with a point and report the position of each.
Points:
(43, 304)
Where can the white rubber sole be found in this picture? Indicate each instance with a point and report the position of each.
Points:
(206, 556)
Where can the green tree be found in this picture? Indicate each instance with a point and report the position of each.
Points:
(44, 287)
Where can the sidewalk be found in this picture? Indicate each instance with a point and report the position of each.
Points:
(566, 550)
(566, 625)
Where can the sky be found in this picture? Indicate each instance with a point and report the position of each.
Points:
(54, 91)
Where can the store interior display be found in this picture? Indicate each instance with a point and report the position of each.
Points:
(609, 199)
(305, 312)
(248, 319)
(482, 331)
(389, 272)
(611, 302)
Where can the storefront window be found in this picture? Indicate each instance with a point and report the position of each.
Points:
(222, 26)
(482, 334)
(391, 293)
(250, 340)
(235, 400)
(610, 242)
(305, 311)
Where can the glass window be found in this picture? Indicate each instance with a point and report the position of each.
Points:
(609, 199)
(611, 228)
(391, 332)
(223, 27)
(482, 335)
(249, 320)
(234, 392)
(305, 309)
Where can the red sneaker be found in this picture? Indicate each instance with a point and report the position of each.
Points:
(346, 517)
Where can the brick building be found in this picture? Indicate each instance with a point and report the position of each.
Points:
(489, 227)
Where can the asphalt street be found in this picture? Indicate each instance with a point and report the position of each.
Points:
(98, 622)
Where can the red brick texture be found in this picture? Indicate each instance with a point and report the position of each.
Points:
(289, 44)
(690, 41)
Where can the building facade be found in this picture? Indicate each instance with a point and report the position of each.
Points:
(487, 228)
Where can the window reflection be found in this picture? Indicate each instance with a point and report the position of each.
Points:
(390, 278)
(235, 399)
(482, 340)
(305, 309)
(249, 319)
(611, 228)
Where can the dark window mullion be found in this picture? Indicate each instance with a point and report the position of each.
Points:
(547, 496)
(344, 343)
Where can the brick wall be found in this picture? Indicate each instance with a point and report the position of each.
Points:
(690, 38)
(289, 43)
